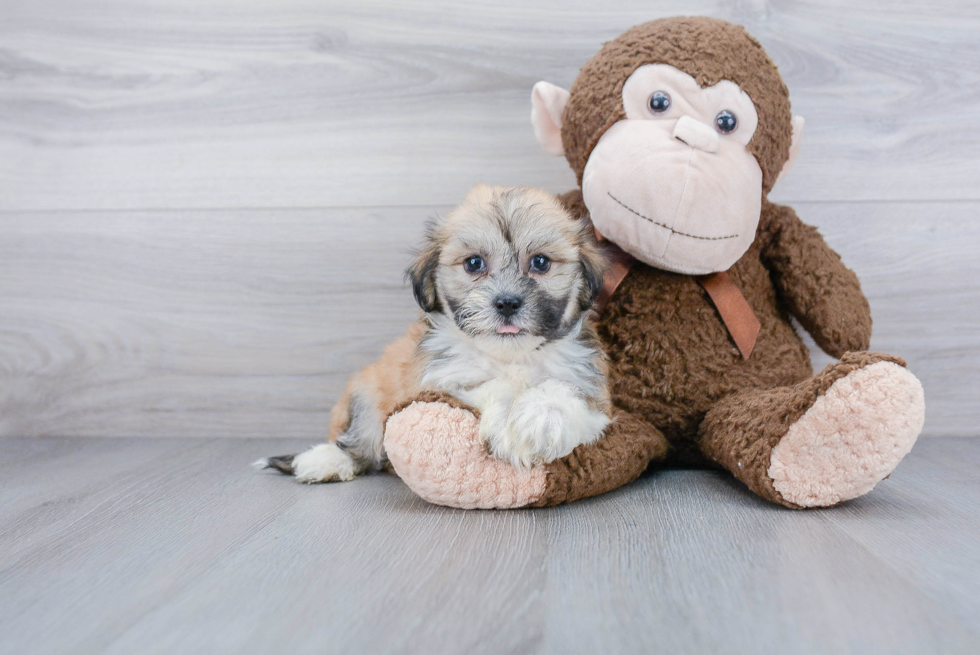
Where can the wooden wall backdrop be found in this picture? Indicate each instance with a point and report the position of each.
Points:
(205, 207)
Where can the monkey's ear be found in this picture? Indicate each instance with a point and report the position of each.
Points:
(794, 147)
(547, 107)
(422, 274)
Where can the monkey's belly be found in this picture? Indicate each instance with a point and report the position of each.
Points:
(672, 359)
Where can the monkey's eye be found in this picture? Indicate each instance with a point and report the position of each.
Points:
(474, 264)
(659, 102)
(540, 264)
(726, 122)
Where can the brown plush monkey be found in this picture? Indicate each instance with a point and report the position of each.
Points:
(677, 130)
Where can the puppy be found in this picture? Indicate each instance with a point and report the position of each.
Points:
(505, 282)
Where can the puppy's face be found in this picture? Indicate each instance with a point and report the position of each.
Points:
(509, 263)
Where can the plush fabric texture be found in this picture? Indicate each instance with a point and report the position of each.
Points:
(683, 393)
(435, 447)
(707, 49)
(853, 436)
(622, 455)
(794, 148)
(740, 432)
(546, 103)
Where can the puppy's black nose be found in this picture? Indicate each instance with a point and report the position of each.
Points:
(508, 305)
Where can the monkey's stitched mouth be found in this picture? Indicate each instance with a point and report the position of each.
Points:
(667, 227)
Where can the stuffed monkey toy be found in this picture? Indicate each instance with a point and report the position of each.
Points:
(677, 130)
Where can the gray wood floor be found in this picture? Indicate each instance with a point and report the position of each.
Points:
(177, 546)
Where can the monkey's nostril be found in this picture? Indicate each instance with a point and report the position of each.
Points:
(508, 305)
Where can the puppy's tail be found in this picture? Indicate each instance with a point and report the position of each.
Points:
(281, 463)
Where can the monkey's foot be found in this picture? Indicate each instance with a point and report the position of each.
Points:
(851, 438)
(436, 449)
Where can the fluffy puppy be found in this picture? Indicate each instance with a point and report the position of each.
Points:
(505, 282)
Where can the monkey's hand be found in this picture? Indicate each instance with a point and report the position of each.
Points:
(817, 288)
(546, 423)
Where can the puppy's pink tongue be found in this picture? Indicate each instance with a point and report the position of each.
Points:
(508, 329)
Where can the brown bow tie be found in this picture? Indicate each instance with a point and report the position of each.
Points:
(735, 311)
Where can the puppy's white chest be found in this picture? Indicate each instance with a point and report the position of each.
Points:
(507, 383)
(480, 373)
(521, 377)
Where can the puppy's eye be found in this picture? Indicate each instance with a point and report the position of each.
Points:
(659, 102)
(540, 264)
(726, 122)
(474, 264)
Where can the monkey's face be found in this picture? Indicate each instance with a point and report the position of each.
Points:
(509, 265)
(671, 171)
(673, 184)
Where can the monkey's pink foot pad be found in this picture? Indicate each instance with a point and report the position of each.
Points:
(437, 451)
(851, 438)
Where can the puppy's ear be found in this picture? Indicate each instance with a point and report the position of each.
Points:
(422, 273)
(593, 264)
(480, 194)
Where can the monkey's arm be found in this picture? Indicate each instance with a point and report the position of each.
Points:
(817, 288)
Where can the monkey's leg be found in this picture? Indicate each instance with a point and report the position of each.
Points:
(823, 441)
(620, 456)
(434, 446)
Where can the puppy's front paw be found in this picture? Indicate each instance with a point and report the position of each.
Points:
(324, 463)
(533, 435)
(546, 423)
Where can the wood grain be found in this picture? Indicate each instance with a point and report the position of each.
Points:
(112, 104)
(167, 546)
(249, 323)
(221, 324)
(123, 312)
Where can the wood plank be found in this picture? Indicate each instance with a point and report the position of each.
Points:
(236, 548)
(110, 104)
(695, 564)
(187, 550)
(895, 529)
(79, 475)
(238, 323)
(249, 323)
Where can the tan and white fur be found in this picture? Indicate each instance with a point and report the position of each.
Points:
(505, 282)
